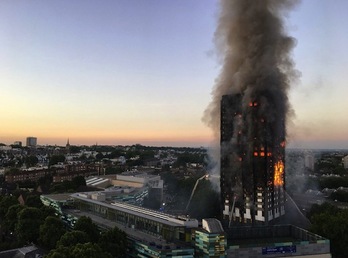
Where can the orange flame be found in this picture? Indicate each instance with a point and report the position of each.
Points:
(278, 173)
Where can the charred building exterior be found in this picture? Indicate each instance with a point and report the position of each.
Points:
(252, 159)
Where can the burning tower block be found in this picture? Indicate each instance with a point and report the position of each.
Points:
(252, 159)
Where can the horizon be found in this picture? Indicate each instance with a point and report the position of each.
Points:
(158, 144)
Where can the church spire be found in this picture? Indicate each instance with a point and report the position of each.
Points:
(67, 147)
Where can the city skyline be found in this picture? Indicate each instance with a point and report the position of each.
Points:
(127, 72)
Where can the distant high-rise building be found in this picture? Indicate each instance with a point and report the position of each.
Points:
(252, 162)
(31, 141)
(309, 161)
(345, 161)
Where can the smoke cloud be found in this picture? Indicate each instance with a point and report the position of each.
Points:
(255, 52)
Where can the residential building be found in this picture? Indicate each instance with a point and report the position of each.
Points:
(252, 162)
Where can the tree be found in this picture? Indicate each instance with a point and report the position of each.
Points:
(205, 201)
(114, 154)
(74, 149)
(59, 252)
(339, 170)
(171, 181)
(99, 156)
(5, 203)
(11, 217)
(333, 182)
(187, 157)
(340, 195)
(88, 250)
(45, 181)
(51, 231)
(78, 181)
(73, 238)
(114, 241)
(55, 159)
(28, 225)
(323, 208)
(47, 211)
(34, 201)
(86, 225)
(331, 222)
(31, 161)
(83, 157)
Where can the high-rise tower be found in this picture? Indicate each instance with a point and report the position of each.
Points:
(31, 141)
(252, 160)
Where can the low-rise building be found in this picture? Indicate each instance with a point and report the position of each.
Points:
(25, 175)
(150, 233)
(275, 241)
(210, 240)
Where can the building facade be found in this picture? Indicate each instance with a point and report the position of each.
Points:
(252, 161)
(210, 240)
(345, 161)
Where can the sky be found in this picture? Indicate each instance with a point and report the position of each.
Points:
(132, 71)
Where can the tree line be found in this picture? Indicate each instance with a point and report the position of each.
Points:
(332, 223)
(38, 224)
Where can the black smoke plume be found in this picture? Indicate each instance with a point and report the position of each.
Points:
(255, 52)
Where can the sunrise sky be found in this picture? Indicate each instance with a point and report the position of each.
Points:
(133, 71)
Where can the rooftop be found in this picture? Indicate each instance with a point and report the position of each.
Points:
(155, 241)
(141, 212)
(212, 225)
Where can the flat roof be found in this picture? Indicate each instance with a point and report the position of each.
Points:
(131, 232)
(58, 197)
(139, 174)
(138, 211)
(99, 182)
